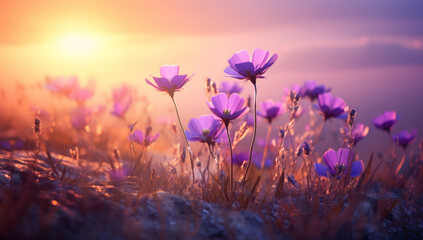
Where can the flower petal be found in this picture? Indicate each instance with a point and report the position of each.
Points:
(330, 159)
(169, 71)
(343, 155)
(220, 102)
(245, 69)
(259, 57)
(195, 126)
(235, 102)
(239, 57)
(233, 73)
(356, 168)
(162, 83)
(321, 169)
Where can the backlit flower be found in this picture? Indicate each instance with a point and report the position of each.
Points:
(143, 139)
(403, 138)
(386, 120)
(170, 80)
(242, 67)
(312, 90)
(359, 132)
(227, 108)
(331, 106)
(336, 164)
(230, 87)
(205, 129)
(271, 110)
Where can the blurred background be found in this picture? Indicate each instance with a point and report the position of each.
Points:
(369, 52)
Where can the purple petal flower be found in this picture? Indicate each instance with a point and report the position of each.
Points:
(331, 106)
(122, 100)
(230, 87)
(359, 132)
(80, 118)
(119, 174)
(227, 109)
(271, 110)
(403, 138)
(386, 120)
(121, 93)
(146, 140)
(294, 88)
(336, 164)
(169, 81)
(240, 158)
(242, 67)
(205, 129)
(312, 90)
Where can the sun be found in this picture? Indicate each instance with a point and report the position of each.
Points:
(79, 45)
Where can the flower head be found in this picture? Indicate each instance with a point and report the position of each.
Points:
(122, 100)
(227, 108)
(331, 106)
(386, 120)
(170, 80)
(242, 67)
(230, 87)
(80, 118)
(206, 129)
(312, 90)
(271, 110)
(404, 137)
(359, 131)
(81, 94)
(119, 174)
(336, 164)
(146, 140)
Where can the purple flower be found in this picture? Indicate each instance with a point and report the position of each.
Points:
(169, 81)
(242, 67)
(359, 132)
(227, 108)
(205, 129)
(336, 164)
(258, 157)
(230, 87)
(294, 88)
(122, 100)
(403, 138)
(146, 140)
(386, 120)
(331, 106)
(240, 158)
(62, 85)
(11, 144)
(80, 118)
(271, 110)
(312, 90)
(119, 174)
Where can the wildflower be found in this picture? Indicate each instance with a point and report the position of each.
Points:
(307, 148)
(230, 87)
(359, 131)
(336, 164)
(331, 106)
(271, 110)
(122, 100)
(312, 90)
(227, 108)
(386, 120)
(146, 140)
(242, 67)
(205, 129)
(403, 138)
(240, 158)
(170, 80)
(296, 89)
(11, 144)
(80, 118)
(119, 174)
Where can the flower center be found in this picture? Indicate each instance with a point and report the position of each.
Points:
(339, 169)
(226, 112)
(205, 132)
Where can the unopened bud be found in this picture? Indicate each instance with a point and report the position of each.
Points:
(307, 148)
(351, 117)
(183, 155)
(281, 133)
(37, 126)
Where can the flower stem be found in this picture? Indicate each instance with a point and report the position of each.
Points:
(254, 134)
(232, 159)
(263, 160)
(186, 139)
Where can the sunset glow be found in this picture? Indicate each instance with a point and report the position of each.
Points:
(80, 45)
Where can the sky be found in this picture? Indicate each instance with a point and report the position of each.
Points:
(369, 52)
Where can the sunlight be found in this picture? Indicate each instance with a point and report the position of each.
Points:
(80, 45)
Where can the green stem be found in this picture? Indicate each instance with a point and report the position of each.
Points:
(254, 133)
(232, 160)
(186, 139)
